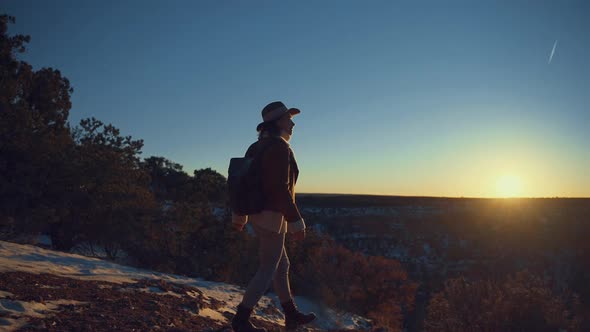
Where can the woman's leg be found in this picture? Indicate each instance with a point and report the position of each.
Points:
(293, 317)
(270, 250)
(281, 278)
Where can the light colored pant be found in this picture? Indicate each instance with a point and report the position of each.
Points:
(273, 267)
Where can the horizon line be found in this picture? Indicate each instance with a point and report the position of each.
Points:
(455, 197)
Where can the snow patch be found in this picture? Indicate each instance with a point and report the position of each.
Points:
(32, 309)
(4, 294)
(215, 315)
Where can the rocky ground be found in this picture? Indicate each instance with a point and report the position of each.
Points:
(45, 302)
(48, 290)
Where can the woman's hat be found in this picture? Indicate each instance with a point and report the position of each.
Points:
(274, 111)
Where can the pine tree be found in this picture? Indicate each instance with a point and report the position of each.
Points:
(35, 140)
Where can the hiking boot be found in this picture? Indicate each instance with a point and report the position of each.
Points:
(293, 317)
(241, 321)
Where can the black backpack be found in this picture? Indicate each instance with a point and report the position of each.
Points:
(244, 180)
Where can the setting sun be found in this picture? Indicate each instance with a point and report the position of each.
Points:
(508, 186)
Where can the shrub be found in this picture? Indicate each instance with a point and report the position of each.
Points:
(522, 302)
(376, 287)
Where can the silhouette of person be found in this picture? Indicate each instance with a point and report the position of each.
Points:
(279, 216)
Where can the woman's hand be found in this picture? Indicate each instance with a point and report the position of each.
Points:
(238, 222)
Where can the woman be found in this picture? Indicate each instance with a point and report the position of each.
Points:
(279, 216)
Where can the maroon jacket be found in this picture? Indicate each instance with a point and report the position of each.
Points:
(279, 176)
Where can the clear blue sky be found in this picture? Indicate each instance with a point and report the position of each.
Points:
(439, 98)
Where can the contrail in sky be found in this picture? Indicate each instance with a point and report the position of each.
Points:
(552, 52)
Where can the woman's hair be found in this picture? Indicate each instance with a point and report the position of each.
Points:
(268, 128)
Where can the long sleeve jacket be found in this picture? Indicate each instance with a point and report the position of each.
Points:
(279, 176)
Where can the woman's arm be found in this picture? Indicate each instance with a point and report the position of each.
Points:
(276, 173)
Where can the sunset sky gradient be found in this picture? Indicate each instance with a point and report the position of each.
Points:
(427, 98)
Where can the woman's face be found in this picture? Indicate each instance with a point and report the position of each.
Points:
(286, 123)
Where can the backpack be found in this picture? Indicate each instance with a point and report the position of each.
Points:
(244, 180)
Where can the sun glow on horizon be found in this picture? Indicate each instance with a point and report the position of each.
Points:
(509, 186)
